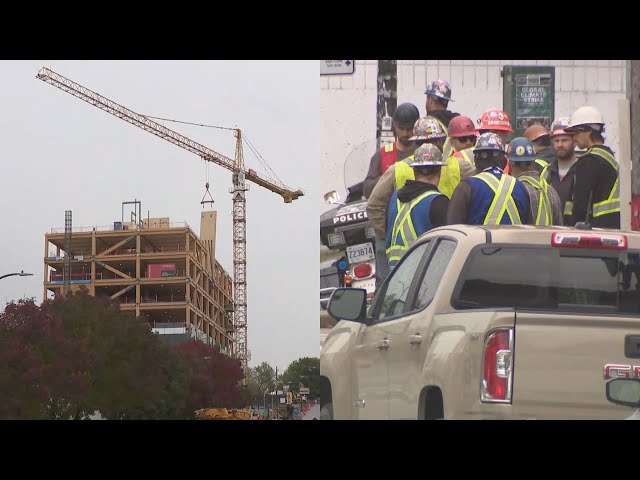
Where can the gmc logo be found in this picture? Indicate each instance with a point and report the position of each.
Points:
(612, 370)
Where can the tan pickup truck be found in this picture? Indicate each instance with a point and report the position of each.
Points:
(505, 322)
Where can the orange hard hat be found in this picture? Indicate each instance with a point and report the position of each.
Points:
(534, 132)
(495, 119)
(461, 126)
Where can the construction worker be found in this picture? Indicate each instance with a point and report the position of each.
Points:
(404, 118)
(462, 135)
(438, 95)
(544, 202)
(418, 206)
(425, 130)
(560, 173)
(490, 197)
(539, 137)
(596, 193)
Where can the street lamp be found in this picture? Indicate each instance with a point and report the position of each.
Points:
(21, 274)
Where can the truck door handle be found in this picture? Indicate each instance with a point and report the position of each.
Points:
(632, 346)
(415, 339)
(383, 344)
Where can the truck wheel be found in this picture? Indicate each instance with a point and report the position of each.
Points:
(326, 411)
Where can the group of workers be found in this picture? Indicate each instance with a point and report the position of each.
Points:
(442, 170)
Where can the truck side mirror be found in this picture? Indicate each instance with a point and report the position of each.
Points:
(348, 304)
(624, 391)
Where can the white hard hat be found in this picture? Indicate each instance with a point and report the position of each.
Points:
(587, 116)
(428, 155)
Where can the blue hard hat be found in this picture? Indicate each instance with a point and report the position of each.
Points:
(521, 150)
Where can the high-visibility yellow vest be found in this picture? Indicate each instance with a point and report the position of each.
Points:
(449, 175)
(502, 199)
(544, 215)
(612, 203)
(447, 148)
(543, 163)
(403, 228)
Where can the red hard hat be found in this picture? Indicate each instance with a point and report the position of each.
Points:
(495, 119)
(461, 126)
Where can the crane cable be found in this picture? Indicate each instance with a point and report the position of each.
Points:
(249, 144)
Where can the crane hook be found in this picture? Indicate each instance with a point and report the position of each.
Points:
(203, 201)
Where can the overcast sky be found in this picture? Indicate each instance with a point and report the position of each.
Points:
(59, 153)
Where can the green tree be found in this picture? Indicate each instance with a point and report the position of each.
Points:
(264, 377)
(305, 371)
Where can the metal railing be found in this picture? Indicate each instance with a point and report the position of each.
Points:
(109, 228)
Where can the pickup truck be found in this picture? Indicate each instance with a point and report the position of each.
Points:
(489, 322)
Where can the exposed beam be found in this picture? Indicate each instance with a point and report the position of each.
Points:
(117, 272)
(125, 289)
(117, 245)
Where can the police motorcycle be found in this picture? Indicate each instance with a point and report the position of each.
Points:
(345, 230)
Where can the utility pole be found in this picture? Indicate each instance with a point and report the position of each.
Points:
(633, 95)
(387, 100)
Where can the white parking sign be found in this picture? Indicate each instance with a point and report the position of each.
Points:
(337, 67)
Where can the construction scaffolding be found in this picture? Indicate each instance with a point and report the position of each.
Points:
(158, 269)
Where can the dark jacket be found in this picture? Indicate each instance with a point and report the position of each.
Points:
(563, 187)
(593, 174)
(444, 116)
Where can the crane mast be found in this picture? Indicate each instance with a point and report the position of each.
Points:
(239, 177)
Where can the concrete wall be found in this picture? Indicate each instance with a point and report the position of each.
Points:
(348, 103)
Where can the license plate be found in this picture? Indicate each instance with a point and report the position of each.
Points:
(360, 253)
(369, 284)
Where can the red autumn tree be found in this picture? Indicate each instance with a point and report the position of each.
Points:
(214, 378)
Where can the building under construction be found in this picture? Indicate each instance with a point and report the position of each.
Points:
(158, 269)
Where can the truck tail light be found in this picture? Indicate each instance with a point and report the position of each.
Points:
(589, 240)
(497, 371)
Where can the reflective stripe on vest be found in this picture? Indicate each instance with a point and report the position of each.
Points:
(543, 163)
(403, 227)
(502, 199)
(447, 148)
(465, 155)
(388, 156)
(568, 208)
(543, 216)
(544, 174)
(612, 203)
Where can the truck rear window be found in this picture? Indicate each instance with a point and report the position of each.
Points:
(550, 278)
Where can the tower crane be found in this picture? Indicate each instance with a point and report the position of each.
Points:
(239, 178)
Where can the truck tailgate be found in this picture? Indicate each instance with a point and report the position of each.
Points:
(559, 362)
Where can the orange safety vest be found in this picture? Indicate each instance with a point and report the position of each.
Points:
(388, 156)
